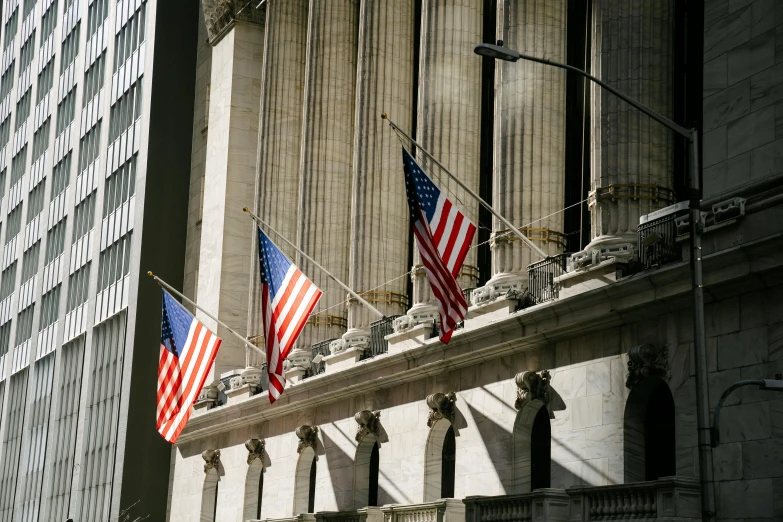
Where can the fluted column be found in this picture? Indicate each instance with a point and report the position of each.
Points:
(379, 212)
(279, 133)
(631, 160)
(449, 121)
(529, 166)
(327, 155)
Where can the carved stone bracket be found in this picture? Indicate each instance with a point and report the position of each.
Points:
(369, 422)
(255, 450)
(647, 360)
(532, 386)
(211, 459)
(220, 15)
(308, 437)
(441, 407)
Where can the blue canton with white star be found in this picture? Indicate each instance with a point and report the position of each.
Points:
(175, 326)
(422, 192)
(273, 263)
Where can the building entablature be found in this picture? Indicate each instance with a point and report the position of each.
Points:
(412, 355)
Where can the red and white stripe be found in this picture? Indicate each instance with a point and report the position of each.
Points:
(452, 306)
(452, 233)
(284, 316)
(180, 379)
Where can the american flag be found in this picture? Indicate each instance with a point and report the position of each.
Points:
(187, 351)
(443, 235)
(288, 298)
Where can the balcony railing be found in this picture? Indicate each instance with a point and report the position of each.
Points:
(378, 331)
(367, 514)
(443, 510)
(321, 348)
(668, 498)
(541, 504)
(541, 277)
(658, 242)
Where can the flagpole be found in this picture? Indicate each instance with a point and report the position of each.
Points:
(313, 261)
(164, 284)
(467, 189)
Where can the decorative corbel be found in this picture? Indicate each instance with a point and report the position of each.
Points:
(255, 450)
(532, 386)
(369, 422)
(647, 360)
(211, 459)
(308, 437)
(441, 407)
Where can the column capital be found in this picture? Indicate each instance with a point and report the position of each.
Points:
(221, 15)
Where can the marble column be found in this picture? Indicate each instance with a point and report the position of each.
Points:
(631, 154)
(379, 211)
(529, 164)
(229, 177)
(449, 122)
(279, 137)
(327, 156)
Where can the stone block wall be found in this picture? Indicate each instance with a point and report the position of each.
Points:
(588, 398)
(743, 93)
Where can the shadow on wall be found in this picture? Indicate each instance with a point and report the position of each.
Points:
(341, 468)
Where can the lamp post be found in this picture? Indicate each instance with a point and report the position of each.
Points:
(775, 384)
(499, 52)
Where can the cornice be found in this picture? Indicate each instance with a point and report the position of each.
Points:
(221, 15)
(661, 290)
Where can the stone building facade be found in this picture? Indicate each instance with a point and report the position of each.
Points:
(569, 393)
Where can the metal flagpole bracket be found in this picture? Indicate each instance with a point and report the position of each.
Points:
(514, 230)
(316, 263)
(168, 287)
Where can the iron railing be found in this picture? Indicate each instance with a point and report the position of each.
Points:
(378, 331)
(658, 242)
(323, 349)
(541, 277)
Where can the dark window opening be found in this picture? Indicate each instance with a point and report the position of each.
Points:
(659, 442)
(260, 492)
(372, 496)
(214, 504)
(540, 451)
(449, 464)
(311, 493)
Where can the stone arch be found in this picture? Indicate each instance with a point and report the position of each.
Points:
(304, 482)
(365, 475)
(441, 432)
(649, 450)
(209, 495)
(527, 419)
(254, 487)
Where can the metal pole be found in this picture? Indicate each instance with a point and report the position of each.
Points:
(699, 341)
(700, 351)
(467, 189)
(313, 261)
(715, 430)
(164, 284)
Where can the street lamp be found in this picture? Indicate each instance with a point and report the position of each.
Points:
(500, 52)
(775, 384)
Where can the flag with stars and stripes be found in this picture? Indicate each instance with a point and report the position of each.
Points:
(287, 300)
(187, 351)
(443, 235)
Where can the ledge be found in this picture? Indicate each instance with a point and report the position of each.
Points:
(662, 290)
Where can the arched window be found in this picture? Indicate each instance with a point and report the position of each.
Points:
(540, 451)
(440, 462)
(304, 482)
(254, 487)
(532, 448)
(449, 464)
(311, 491)
(366, 470)
(649, 432)
(209, 494)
